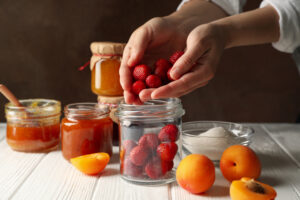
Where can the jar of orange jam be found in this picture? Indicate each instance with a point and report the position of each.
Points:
(86, 128)
(105, 64)
(34, 127)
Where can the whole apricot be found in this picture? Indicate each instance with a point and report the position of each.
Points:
(239, 161)
(249, 189)
(196, 173)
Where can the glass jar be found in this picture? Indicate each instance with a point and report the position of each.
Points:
(105, 64)
(86, 129)
(113, 103)
(150, 145)
(34, 127)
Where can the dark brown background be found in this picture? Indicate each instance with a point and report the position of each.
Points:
(43, 42)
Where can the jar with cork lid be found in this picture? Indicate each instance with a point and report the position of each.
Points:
(104, 65)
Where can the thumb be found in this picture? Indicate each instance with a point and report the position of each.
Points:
(187, 61)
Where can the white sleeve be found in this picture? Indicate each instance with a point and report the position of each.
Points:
(289, 22)
(231, 7)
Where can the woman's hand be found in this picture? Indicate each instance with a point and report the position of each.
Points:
(197, 66)
(158, 38)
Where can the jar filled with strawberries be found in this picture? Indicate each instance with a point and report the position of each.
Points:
(150, 144)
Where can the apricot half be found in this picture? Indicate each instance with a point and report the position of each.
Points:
(195, 173)
(249, 189)
(91, 164)
(239, 161)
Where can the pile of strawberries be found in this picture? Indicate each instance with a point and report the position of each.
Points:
(146, 78)
(152, 155)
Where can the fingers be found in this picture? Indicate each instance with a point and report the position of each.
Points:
(194, 50)
(187, 83)
(131, 98)
(145, 94)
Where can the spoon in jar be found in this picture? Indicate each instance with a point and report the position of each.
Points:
(10, 96)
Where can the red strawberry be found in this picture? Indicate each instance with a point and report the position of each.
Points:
(173, 58)
(130, 169)
(161, 68)
(168, 133)
(167, 165)
(153, 81)
(137, 87)
(139, 155)
(128, 145)
(169, 76)
(154, 168)
(149, 141)
(167, 151)
(141, 72)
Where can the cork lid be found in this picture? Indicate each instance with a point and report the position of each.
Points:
(107, 48)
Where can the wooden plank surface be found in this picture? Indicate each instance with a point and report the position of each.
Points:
(15, 167)
(111, 186)
(49, 176)
(56, 178)
(278, 170)
(287, 137)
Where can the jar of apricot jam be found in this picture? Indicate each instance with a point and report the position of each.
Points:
(34, 127)
(105, 64)
(86, 128)
(150, 145)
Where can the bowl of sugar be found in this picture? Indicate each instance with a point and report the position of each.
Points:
(211, 138)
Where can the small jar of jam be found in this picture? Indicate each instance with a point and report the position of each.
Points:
(105, 64)
(113, 103)
(34, 127)
(150, 146)
(86, 128)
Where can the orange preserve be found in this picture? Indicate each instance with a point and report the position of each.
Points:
(86, 129)
(105, 64)
(34, 127)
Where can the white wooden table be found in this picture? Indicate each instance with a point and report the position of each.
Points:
(48, 176)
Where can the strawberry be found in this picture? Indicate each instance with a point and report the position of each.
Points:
(167, 165)
(154, 168)
(168, 133)
(153, 81)
(175, 56)
(141, 72)
(169, 76)
(149, 141)
(139, 155)
(137, 87)
(167, 151)
(128, 145)
(161, 68)
(130, 169)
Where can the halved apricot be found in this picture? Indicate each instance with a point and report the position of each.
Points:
(249, 189)
(91, 164)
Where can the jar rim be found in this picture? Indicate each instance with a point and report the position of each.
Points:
(86, 110)
(33, 109)
(156, 108)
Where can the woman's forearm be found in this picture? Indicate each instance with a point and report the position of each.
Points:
(194, 13)
(254, 27)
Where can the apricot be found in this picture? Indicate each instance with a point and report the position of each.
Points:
(249, 189)
(91, 164)
(239, 161)
(195, 173)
